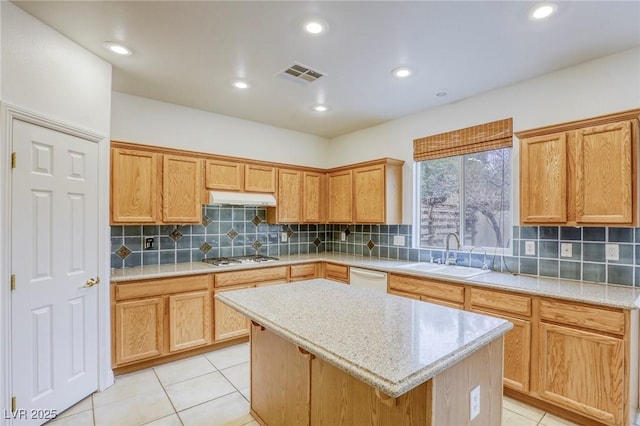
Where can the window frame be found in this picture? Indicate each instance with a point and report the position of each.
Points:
(417, 184)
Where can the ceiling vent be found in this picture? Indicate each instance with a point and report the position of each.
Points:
(298, 72)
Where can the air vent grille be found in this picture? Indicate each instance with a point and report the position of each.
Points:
(301, 72)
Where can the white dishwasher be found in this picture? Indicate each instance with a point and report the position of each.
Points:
(374, 280)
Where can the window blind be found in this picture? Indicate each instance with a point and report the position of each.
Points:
(483, 137)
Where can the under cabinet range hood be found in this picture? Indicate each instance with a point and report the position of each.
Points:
(241, 199)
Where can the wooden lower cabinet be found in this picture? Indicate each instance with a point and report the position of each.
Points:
(279, 369)
(336, 272)
(139, 330)
(306, 271)
(583, 372)
(189, 320)
(229, 323)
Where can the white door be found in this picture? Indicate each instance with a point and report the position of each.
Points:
(54, 253)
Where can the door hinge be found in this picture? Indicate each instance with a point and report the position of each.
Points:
(13, 281)
(13, 160)
(14, 404)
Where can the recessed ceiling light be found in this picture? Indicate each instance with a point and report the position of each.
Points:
(401, 72)
(542, 10)
(441, 93)
(118, 48)
(321, 108)
(315, 26)
(240, 84)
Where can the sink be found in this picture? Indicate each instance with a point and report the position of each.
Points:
(456, 271)
(460, 271)
(422, 266)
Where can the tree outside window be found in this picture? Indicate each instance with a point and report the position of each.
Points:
(477, 184)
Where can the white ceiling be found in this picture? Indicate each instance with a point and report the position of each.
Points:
(187, 52)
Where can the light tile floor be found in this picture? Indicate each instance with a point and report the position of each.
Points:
(210, 389)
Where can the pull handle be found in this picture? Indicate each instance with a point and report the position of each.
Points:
(368, 274)
(91, 282)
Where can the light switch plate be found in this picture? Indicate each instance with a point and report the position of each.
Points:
(283, 237)
(566, 249)
(343, 236)
(398, 240)
(530, 248)
(474, 403)
(612, 252)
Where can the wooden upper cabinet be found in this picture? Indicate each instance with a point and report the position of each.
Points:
(543, 179)
(581, 173)
(259, 178)
(604, 174)
(224, 175)
(134, 186)
(313, 197)
(340, 197)
(289, 205)
(369, 187)
(181, 189)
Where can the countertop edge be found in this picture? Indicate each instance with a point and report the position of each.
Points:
(390, 266)
(394, 390)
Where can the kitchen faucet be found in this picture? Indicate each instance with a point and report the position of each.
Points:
(448, 261)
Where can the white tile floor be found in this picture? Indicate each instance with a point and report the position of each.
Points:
(210, 389)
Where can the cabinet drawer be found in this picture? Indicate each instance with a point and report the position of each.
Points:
(251, 276)
(336, 272)
(593, 317)
(303, 272)
(501, 302)
(431, 289)
(157, 287)
(403, 294)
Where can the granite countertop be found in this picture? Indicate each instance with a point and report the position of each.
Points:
(384, 340)
(611, 295)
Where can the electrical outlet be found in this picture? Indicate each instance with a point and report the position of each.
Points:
(283, 237)
(612, 252)
(530, 248)
(566, 249)
(474, 403)
(343, 236)
(398, 240)
(148, 243)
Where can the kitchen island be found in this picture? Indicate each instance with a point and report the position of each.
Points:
(324, 353)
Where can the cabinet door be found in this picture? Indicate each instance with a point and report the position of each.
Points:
(313, 201)
(604, 174)
(306, 271)
(134, 186)
(279, 370)
(189, 320)
(583, 372)
(139, 330)
(369, 190)
(224, 175)
(228, 322)
(543, 179)
(341, 197)
(259, 178)
(289, 196)
(517, 352)
(181, 189)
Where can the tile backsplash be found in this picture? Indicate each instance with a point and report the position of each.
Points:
(236, 231)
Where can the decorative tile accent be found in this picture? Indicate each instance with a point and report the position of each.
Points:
(205, 247)
(347, 232)
(123, 252)
(232, 233)
(256, 245)
(256, 221)
(206, 220)
(175, 235)
(317, 242)
(371, 245)
(289, 231)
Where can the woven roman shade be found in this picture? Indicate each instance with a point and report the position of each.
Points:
(484, 137)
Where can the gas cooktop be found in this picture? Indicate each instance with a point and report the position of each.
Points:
(238, 260)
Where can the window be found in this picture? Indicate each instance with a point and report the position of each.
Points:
(469, 195)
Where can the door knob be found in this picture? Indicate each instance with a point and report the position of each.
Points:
(91, 282)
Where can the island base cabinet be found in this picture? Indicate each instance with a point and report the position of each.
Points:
(279, 380)
(290, 386)
(583, 372)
